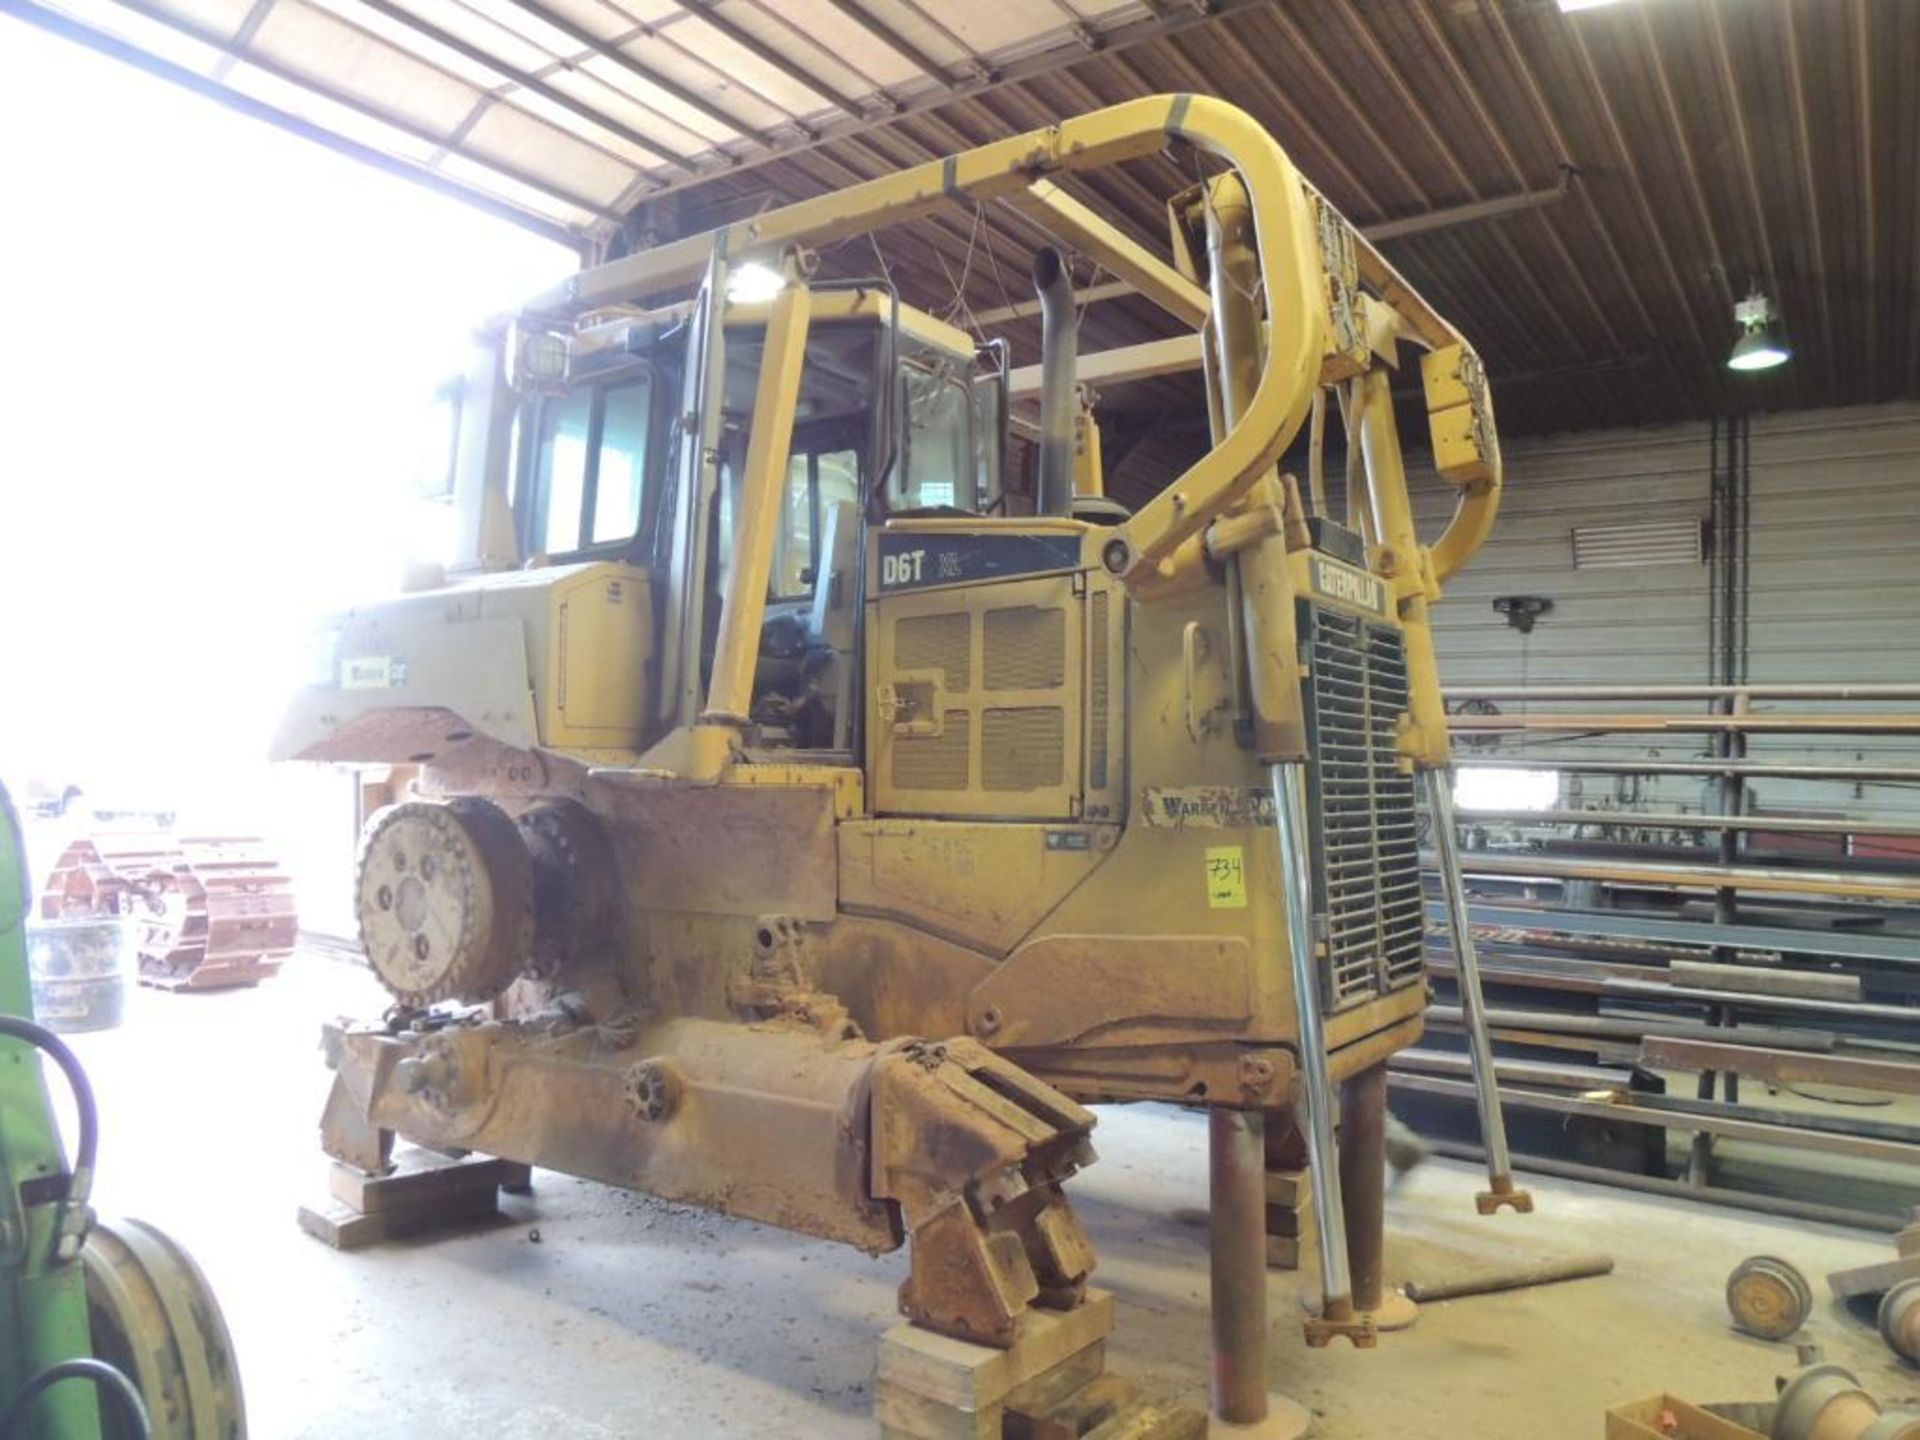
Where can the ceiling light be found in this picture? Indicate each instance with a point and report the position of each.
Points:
(1568, 7)
(1759, 346)
(753, 282)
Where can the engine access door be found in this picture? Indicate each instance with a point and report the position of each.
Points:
(975, 706)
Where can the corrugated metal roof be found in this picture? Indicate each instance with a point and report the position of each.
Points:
(1658, 157)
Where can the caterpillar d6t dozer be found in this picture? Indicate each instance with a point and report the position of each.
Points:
(800, 833)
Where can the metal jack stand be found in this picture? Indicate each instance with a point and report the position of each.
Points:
(1337, 1315)
(1500, 1191)
(1236, 1163)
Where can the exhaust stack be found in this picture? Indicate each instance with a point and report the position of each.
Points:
(1059, 347)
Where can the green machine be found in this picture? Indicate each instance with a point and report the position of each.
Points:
(107, 1331)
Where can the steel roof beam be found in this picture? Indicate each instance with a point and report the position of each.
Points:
(894, 41)
(1471, 213)
(242, 37)
(1476, 102)
(238, 53)
(646, 74)
(1030, 67)
(531, 83)
(708, 13)
(128, 54)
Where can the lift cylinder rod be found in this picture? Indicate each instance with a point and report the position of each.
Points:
(1500, 1190)
(1337, 1315)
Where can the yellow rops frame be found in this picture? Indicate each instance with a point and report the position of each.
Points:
(1320, 329)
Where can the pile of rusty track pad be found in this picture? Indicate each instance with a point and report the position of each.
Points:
(215, 911)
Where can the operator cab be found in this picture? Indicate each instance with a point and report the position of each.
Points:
(897, 415)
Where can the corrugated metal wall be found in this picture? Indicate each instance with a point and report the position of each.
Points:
(1834, 575)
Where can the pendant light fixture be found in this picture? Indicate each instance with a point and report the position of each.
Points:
(1760, 346)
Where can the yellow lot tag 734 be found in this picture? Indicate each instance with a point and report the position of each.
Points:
(1226, 877)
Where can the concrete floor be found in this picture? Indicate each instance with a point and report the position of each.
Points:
(627, 1316)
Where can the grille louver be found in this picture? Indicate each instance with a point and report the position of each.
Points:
(1023, 749)
(937, 642)
(1025, 648)
(935, 762)
(1365, 852)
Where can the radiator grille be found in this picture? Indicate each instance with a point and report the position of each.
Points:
(1101, 645)
(1366, 855)
(1025, 647)
(936, 642)
(1024, 748)
(934, 762)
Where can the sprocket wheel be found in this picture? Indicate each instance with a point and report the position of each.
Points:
(445, 900)
(573, 882)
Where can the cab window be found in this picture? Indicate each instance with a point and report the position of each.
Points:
(592, 466)
(823, 472)
(625, 427)
(832, 431)
(937, 468)
(561, 473)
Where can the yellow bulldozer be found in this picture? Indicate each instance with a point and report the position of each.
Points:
(803, 831)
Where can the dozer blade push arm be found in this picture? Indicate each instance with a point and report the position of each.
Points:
(791, 1123)
(974, 1150)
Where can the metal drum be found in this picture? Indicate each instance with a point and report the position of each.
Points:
(79, 969)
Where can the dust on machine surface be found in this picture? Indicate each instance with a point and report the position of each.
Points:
(797, 831)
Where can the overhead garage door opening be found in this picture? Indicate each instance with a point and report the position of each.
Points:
(226, 345)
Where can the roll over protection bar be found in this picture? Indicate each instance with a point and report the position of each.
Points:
(1293, 277)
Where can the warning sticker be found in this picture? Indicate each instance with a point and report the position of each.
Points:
(1226, 877)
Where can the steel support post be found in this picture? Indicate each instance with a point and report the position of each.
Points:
(1363, 1186)
(1363, 1182)
(1236, 1174)
(1237, 1184)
